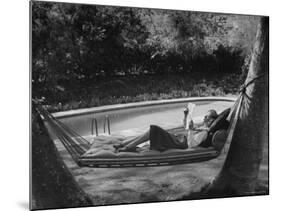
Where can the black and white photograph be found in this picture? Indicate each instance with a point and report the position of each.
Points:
(136, 105)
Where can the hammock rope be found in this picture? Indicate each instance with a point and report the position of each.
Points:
(75, 144)
(234, 114)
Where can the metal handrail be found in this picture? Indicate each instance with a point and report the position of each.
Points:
(94, 122)
(106, 120)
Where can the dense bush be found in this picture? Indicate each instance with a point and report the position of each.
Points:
(142, 88)
(77, 46)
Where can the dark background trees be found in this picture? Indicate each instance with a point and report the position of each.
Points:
(86, 52)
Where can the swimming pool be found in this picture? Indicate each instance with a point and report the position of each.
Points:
(134, 118)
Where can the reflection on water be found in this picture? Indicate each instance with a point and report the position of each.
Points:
(139, 119)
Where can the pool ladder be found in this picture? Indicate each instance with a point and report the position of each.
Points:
(94, 125)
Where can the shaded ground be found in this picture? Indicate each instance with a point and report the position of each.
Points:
(263, 179)
(52, 184)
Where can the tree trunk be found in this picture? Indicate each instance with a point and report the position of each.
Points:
(240, 171)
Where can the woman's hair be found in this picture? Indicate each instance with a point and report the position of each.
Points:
(213, 114)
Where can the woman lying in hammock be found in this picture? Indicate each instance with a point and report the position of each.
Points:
(162, 140)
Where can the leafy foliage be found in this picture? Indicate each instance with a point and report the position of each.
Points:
(79, 44)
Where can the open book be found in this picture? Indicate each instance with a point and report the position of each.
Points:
(190, 107)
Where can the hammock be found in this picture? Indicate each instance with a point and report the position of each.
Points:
(77, 146)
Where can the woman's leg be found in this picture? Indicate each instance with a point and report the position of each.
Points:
(132, 143)
(129, 140)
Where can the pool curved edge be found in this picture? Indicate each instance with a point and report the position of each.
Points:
(114, 107)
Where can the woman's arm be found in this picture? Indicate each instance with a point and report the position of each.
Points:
(184, 122)
(185, 113)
